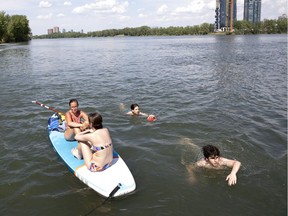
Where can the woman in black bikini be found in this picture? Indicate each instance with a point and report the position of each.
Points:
(96, 145)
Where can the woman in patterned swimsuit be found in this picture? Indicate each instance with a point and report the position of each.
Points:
(96, 145)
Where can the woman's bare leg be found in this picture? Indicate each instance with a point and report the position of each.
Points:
(87, 154)
(69, 134)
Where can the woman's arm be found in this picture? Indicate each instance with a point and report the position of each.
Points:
(86, 123)
(83, 136)
(69, 121)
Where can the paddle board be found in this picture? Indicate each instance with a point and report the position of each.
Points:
(102, 182)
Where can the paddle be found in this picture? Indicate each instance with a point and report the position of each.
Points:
(109, 197)
(43, 105)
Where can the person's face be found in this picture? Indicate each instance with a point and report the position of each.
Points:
(136, 111)
(213, 160)
(74, 107)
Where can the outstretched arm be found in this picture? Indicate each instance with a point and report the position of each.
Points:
(235, 165)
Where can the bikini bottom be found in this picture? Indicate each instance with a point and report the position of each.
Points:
(95, 168)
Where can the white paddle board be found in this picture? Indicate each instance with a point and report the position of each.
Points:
(103, 182)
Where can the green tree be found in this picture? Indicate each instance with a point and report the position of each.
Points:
(3, 25)
(282, 24)
(269, 26)
(18, 29)
(14, 28)
(204, 28)
(243, 27)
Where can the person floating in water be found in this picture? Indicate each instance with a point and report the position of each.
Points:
(135, 111)
(213, 160)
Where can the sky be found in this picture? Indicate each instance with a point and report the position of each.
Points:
(96, 15)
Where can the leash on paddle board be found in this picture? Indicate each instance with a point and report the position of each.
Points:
(54, 110)
(109, 197)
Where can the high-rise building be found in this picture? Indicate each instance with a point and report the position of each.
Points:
(56, 29)
(252, 10)
(217, 16)
(223, 19)
(50, 31)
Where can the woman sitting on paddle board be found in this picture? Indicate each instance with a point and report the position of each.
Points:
(96, 145)
(76, 121)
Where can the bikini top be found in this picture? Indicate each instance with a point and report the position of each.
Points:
(99, 148)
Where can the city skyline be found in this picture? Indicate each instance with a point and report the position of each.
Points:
(96, 15)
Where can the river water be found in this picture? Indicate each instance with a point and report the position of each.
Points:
(229, 91)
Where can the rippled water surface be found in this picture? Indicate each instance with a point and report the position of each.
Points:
(229, 91)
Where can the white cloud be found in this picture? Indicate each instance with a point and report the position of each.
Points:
(45, 17)
(45, 4)
(282, 5)
(124, 18)
(67, 3)
(81, 10)
(103, 6)
(162, 9)
(141, 15)
(60, 15)
(274, 10)
(195, 6)
(212, 4)
(120, 8)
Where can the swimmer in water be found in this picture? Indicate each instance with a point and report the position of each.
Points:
(213, 160)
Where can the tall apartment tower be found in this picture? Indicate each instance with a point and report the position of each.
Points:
(223, 19)
(56, 30)
(217, 16)
(252, 10)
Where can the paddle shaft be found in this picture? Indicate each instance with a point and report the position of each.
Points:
(43, 105)
(110, 196)
(50, 108)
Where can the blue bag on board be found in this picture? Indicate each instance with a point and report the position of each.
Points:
(53, 123)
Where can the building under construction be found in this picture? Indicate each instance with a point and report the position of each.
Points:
(225, 15)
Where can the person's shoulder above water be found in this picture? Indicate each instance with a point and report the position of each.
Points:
(212, 159)
(135, 110)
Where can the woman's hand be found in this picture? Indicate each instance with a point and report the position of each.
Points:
(84, 126)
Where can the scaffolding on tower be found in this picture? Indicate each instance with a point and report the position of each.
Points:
(229, 15)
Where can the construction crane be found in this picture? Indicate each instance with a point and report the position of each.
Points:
(229, 15)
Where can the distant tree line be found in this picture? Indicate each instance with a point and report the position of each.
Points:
(241, 27)
(268, 26)
(14, 28)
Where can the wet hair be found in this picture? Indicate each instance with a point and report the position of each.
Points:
(133, 106)
(210, 150)
(96, 120)
(73, 100)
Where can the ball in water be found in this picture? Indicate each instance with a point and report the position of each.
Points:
(151, 118)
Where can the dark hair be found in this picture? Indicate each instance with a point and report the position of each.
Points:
(96, 120)
(133, 106)
(210, 150)
(73, 100)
